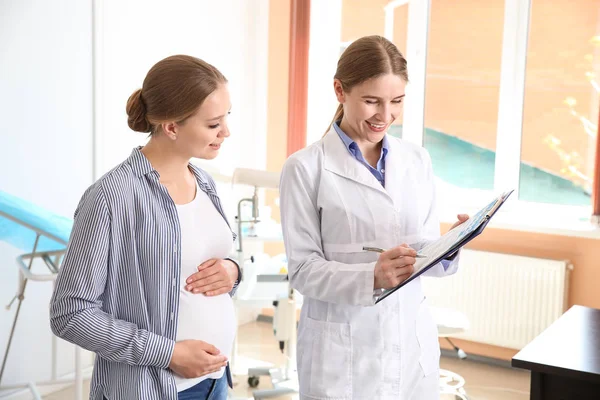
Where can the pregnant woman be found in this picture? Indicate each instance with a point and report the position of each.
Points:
(146, 283)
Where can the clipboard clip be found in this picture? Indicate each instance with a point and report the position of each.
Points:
(497, 205)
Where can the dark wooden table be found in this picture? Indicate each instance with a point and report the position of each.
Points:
(564, 360)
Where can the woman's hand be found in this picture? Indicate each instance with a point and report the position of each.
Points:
(394, 267)
(214, 277)
(195, 358)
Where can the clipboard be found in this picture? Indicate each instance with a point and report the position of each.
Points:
(451, 242)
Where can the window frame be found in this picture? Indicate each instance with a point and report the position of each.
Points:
(517, 18)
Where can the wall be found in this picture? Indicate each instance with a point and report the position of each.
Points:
(45, 150)
(324, 46)
(184, 27)
(361, 18)
(48, 149)
(277, 121)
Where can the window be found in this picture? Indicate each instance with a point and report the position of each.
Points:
(503, 95)
(545, 103)
(462, 91)
(561, 102)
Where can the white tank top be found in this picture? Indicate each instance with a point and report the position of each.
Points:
(204, 235)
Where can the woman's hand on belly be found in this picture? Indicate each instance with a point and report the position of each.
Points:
(214, 277)
(195, 358)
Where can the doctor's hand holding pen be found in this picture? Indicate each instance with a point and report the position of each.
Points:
(394, 266)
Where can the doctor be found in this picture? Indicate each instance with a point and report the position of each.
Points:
(360, 187)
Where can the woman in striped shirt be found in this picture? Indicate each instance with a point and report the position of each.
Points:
(146, 283)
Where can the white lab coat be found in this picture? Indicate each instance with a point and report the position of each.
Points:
(332, 206)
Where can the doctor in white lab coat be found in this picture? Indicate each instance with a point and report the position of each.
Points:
(360, 187)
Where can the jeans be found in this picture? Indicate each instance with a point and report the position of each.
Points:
(208, 389)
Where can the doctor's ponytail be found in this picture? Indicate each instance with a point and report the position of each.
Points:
(339, 114)
(367, 58)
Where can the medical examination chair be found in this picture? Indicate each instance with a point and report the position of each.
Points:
(43, 236)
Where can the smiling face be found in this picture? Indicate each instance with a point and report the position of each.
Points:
(371, 106)
(202, 134)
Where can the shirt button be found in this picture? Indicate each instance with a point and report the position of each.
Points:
(172, 315)
(382, 170)
(174, 282)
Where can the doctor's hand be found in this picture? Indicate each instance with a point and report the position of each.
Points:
(195, 358)
(394, 267)
(214, 277)
(461, 218)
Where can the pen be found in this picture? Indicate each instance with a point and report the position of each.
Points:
(378, 250)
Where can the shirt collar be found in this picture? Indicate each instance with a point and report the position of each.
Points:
(141, 166)
(353, 147)
(139, 163)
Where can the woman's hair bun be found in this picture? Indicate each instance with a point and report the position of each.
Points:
(136, 113)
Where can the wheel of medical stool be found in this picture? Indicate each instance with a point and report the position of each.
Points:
(253, 381)
(453, 384)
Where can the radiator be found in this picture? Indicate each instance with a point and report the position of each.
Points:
(508, 299)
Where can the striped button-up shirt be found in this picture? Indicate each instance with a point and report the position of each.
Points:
(117, 293)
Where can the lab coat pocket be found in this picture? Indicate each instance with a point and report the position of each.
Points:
(427, 335)
(351, 253)
(328, 362)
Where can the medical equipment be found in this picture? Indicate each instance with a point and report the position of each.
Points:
(258, 179)
(44, 235)
(264, 287)
(284, 380)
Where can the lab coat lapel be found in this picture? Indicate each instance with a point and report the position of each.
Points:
(396, 166)
(338, 160)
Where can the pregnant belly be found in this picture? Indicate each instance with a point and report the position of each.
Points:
(210, 319)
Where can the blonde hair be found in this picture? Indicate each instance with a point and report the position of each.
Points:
(367, 58)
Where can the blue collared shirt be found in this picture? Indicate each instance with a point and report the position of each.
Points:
(117, 292)
(352, 147)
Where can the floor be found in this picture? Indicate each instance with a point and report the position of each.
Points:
(484, 382)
